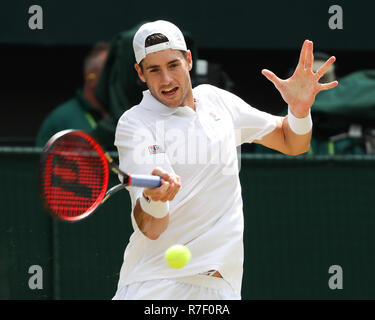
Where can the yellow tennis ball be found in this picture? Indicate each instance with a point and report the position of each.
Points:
(177, 256)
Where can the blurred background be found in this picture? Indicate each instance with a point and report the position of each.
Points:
(326, 195)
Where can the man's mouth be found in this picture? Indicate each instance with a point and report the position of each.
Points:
(169, 92)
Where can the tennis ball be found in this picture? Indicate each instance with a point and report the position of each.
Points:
(177, 256)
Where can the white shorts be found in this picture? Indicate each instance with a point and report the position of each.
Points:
(198, 287)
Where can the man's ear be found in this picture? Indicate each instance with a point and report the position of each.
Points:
(91, 79)
(189, 60)
(140, 73)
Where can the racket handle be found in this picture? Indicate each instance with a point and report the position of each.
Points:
(144, 181)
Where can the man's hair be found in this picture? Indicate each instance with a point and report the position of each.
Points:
(91, 62)
(157, 38)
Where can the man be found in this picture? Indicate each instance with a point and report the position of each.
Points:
(188, 137)
(84, 110)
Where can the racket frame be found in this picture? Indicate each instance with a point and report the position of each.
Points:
(44, 156)
(146, 181)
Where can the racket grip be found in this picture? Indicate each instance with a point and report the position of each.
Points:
(144, 181)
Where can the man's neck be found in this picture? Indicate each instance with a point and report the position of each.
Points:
(89, 95)
(190, 101)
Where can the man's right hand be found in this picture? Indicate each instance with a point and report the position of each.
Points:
(170, 185)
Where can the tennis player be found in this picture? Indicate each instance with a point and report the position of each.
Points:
(189, 137)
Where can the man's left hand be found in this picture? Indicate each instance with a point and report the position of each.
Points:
(300, 90)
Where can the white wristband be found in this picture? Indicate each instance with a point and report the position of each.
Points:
(300, 125)
(157, 209)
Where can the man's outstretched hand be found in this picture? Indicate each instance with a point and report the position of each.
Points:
(300, 90)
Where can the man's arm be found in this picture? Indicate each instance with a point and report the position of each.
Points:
(132, 139)
(299, 92)
(150, 223)
(284, 140)
(150, 226)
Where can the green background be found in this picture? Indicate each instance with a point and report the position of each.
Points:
(302, 215)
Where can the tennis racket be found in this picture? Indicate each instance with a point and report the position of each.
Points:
(74, 174)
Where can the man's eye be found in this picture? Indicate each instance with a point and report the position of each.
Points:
(174, 65)
(153, 70)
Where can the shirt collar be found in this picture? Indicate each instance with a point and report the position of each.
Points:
(149, 102)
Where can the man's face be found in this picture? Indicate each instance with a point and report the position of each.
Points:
(167, 76)
(92, 77)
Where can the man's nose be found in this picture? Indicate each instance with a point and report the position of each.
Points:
(165, 77)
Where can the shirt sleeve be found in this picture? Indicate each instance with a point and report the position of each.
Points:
(139, 151)
(249, 123)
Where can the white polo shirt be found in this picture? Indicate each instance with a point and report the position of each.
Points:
(200, 147)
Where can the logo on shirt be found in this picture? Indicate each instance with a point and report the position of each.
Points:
(214, 116)
(155, 149)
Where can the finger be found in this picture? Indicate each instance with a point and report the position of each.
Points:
(175, 189)
(157, 193)
(327, 86)
(309, 55)
(164, 192)
(161, 173)
(324, 68)
(173, 195)
(165, 186)
(272, 77)
(302, 55)
(171, 192)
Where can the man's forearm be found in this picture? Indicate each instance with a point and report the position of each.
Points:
(296, 143)
(150, 226)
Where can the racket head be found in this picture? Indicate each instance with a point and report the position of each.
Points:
(73, 176)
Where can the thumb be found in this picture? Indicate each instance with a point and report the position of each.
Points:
(161, 173)
(271, 77)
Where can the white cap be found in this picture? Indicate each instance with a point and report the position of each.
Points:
(175, 37)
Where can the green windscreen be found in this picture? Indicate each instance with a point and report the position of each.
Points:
(302, 216)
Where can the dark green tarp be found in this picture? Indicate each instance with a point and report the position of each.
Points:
(354, 97)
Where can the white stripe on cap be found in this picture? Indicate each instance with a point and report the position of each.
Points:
(157, 47)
